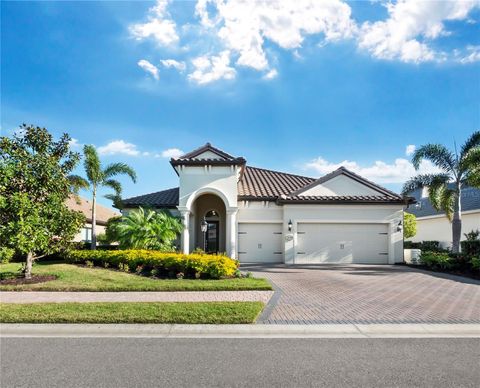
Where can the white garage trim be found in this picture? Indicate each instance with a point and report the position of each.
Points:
(390, 259)
(260, 242)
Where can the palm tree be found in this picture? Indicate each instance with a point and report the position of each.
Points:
(147, 229)
(445, 188)
(98, 177)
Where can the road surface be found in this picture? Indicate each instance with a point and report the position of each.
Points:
(197, 362)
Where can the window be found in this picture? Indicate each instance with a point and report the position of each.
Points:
(86, 234)
(424, 192)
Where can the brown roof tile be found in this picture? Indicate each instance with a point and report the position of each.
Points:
(259, 183)
(85, 206)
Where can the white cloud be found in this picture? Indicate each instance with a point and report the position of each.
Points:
(168, 63)
(159, 26)
(243, 26)
(271, 74)
(170, 153)
(229, 34)
(213, 68)
(380, 172)
(149, 68)
(74, 143)
(119, 147)
(472, 55)
(410, 149)
(410, 27)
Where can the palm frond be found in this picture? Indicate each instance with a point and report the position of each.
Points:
(93, 167)
(116, 199)
(472, 142)
(77, 182)
(470, 167)
(115, 169)
(438, 154)
(447, 202)
(424, 180)
(115, 185)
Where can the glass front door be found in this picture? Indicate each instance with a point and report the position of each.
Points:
(211, 237)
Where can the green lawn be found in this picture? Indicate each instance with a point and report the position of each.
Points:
(192, 313)
(74, 278)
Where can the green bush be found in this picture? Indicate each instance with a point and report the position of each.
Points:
(437, 260)
(159, 263)
(471, 248)
(6, 254)
(427, 246)
(475, 262)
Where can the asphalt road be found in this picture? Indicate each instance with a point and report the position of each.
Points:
(121, 362)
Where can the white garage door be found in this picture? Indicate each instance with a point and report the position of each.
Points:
(342, 243)
(260, 243)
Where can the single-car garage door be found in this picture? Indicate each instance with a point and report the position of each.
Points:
(260, 243)
(341, 243)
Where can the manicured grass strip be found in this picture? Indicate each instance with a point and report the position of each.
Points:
(191, 313)
(74, 278)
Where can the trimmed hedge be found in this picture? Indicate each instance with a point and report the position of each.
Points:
(471, 248)
(437, 260)
(160, 264)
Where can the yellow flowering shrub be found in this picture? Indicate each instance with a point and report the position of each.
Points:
(166, 264)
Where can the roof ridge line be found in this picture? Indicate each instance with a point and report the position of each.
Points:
(279, 172)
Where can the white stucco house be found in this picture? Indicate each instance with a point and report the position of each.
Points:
(433, 225)
(264, 216)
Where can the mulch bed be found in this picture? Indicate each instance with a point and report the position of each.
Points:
(34, 279)
(458, 272)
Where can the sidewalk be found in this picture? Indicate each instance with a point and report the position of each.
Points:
(143, 296)
(241, 331)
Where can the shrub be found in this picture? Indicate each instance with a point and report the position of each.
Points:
(437, 260)
(6, 254)
(208, 266)
(427, 246)
(475, 262)
(471, 246)
(409, 225)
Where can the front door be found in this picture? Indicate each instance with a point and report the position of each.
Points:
(211, 237)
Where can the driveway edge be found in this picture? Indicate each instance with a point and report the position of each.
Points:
(241, 331)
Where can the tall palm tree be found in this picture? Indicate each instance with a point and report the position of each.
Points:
(445, 188)
(97, 177)
(147, 229)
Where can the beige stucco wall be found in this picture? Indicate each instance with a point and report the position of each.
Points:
(80, 236)
(219, 180)
(439, 228)
(340, 185)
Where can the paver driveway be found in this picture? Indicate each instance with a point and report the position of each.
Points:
(367, 294)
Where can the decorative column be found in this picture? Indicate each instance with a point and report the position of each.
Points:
(232, 235)
(185, 232)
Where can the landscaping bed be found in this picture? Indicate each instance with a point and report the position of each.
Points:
(182, 312)
(71, 277)
(20, 279)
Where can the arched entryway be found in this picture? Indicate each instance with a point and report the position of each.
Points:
(211, 208)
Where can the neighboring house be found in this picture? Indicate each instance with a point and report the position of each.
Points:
(85, 206)
(264, 216)
(433, 225)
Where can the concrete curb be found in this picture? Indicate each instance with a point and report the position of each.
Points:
(241, 331)
(133, 296)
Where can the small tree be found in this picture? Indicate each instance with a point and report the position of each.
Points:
(34, 219)
(97, 176)
(146, 229)
(409, 225)
(458, 169)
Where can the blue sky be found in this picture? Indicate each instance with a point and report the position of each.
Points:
(302, 87)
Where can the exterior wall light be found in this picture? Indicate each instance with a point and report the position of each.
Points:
(204, 227)
(290, 225)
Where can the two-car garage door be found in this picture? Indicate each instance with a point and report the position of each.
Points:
(341, 243)
(260, 243)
